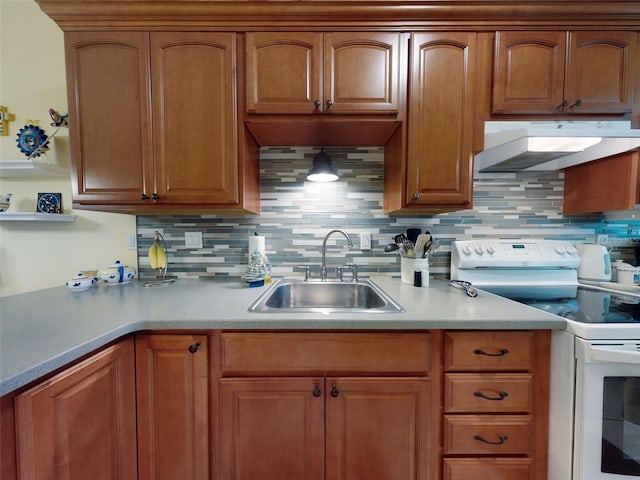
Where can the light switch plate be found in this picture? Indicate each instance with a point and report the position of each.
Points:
(193, 239)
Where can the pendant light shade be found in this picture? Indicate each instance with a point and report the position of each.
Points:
(322, 171)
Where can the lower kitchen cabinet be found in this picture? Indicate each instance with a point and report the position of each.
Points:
(287, 409)
(173, 406)
(81, 423)
(495, 421)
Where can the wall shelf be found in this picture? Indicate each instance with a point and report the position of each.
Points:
(31, 168)
(37, 217)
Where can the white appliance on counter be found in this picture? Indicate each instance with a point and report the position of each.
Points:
(594, 424)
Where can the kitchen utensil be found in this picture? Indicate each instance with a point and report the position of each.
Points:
(412, 234)
(595, 263)
(469, 290)
(423, 240)
(391, 247)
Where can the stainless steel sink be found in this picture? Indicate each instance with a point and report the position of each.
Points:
(362, 296)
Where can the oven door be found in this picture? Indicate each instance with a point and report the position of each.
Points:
(607, 416)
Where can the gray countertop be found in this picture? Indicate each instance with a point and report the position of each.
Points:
(44, 330)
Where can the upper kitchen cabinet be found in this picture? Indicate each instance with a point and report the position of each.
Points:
(612, 183)
(154, 124)
(435, 173)
(340, 72)
(578, 72)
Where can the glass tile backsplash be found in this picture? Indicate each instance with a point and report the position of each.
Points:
(297, 214)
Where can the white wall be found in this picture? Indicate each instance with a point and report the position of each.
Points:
(32, 79)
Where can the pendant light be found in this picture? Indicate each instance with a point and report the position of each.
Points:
(322, 171)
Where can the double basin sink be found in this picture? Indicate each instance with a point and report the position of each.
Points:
(315, 296)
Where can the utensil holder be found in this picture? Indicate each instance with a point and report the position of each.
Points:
(409, 265)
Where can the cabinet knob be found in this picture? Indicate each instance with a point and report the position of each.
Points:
(316, 391)
(577, 103)
(144, 196)
(155, 196)
(317, 104)
(334, 391)
(416, 196)
(502, 439)
(194, 347)
(562, 105)
(500, 353)
(501, 396)
(329, 104)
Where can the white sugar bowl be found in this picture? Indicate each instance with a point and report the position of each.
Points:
(117, 274)
(81, 282)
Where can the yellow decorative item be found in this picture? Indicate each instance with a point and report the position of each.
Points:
(5, 118)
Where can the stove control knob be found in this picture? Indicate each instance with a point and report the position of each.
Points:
(491, 250)
(561, 250)
(571, 250)
(479, 250)
(466, 250)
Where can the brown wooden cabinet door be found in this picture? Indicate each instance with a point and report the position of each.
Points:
(272, 428)
(81, 423)
(109, 116)
(194, 118)
(528, 72)
(362, 72)
(380, 428)
(283, 72)
(600, 71)
(441, 120)
(173, 413)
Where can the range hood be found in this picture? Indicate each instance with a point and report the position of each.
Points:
(547, 146)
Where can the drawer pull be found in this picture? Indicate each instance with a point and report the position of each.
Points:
(501, 353)
(501, 396)
(480, 438)
(334, 391)
(194, 347)
(316, 391)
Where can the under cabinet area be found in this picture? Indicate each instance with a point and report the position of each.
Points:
(496, 387)
(576, 72)
(333, 406)
(154, 124)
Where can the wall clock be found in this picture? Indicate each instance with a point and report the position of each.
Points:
(49, 203)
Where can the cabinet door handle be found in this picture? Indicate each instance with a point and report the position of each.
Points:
(480, 438)
(317, 104)
(144, 196)
(329, 104)
(194, 347)
(416, 196)
(501, 396)
(577, 103)
(155, 196)
(334, 391)
(562, 105)
(501, 353)
(316, 391)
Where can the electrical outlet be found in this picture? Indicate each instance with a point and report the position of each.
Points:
(133, 241)
(602, 239)
(365, 241)
(193, 239)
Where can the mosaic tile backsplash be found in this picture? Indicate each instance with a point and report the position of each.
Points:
(297, 214)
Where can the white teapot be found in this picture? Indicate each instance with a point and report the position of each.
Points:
(117, 274)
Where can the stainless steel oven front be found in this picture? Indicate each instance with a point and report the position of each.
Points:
(607, 410)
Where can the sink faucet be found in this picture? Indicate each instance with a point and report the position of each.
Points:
(323, 268)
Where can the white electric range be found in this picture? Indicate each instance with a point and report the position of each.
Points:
(594, 428)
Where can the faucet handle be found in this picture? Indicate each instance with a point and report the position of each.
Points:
(348, 266)
(307, 271)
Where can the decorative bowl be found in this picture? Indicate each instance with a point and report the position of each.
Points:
(117, 274)
(81, 282)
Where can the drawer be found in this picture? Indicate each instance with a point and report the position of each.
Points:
(482, 351)
(487, 434)
(487, 392)
(489, 468)
(276, 353)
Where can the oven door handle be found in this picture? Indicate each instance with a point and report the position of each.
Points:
(614, 354)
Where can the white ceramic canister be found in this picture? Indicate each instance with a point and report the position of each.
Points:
(408, 267)
(628, 275)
